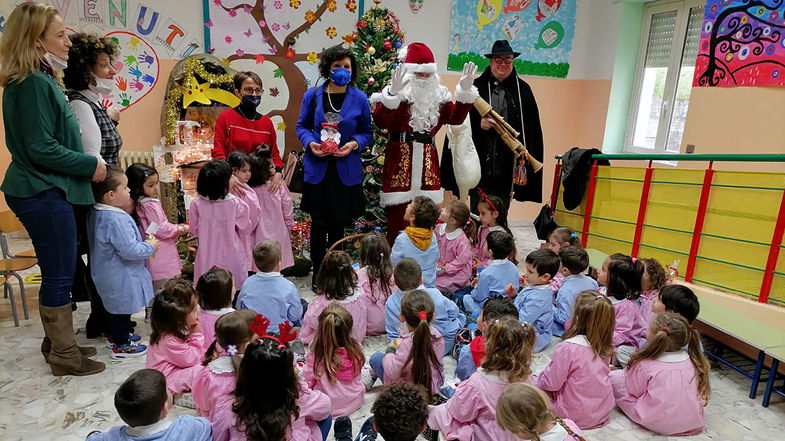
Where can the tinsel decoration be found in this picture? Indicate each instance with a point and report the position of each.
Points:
(193, 68)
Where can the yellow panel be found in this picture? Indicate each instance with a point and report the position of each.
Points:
(777, 294)
(742, 213)
(608, 246)
(753, 179)
(729, 277)
(734, 252)
(664, 257)
(669, 240)
(673, 205)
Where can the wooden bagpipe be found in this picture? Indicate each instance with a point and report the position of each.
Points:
(507, 133)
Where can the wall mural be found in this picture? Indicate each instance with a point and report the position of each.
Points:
(542, 30)
(742, 44)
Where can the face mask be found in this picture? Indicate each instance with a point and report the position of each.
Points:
(102, 86)
(340, 76)
(53, 61)
(250, 102)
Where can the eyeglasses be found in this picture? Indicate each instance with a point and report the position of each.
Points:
(502, 60)
(252, 91)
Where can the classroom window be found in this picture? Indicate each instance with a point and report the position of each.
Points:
(666, 63)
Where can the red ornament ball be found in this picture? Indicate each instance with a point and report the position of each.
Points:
(387, 44)
(361, 24)
(371, 81)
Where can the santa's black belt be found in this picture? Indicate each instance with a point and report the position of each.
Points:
(424, 138)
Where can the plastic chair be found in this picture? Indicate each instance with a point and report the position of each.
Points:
(11, 265)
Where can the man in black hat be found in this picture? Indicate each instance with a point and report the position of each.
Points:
(513, 99)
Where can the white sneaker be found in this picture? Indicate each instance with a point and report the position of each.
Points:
(369, 378)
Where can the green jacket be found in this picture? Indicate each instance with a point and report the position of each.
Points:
(43, 137)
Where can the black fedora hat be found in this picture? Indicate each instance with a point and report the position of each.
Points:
(502, 47)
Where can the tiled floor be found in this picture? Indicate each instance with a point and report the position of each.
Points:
(38, 406)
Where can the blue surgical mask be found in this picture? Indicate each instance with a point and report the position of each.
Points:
(340, 76)
(250, 102)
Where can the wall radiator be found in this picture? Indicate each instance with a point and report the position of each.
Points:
(127, 158)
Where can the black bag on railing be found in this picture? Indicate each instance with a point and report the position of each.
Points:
(544, 223)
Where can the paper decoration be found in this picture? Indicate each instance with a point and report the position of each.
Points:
(137, 72)
(415, 6)
(742, 45)
(541, 30)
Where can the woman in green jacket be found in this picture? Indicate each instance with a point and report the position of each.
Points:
(49, 173)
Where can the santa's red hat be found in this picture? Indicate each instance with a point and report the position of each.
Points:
(417, 57)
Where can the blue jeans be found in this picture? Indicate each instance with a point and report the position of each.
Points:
(472, 307)
(376, 364)
(50, 222)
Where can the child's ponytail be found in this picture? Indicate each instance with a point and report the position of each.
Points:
(334, 332)
(261, 158)
(566, 235)
(624, 277)
(669, 332)
(336, 279)
(375, 258)
(593, 316)
(417, 309)
(460, 212)
(508, 347)
(232, 330)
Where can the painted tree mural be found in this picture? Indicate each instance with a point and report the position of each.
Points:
(272, 36)
(742, 44)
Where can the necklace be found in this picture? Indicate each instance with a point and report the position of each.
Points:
(252, 118)
(329, 100)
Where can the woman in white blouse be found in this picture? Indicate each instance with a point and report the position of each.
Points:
(89, 76)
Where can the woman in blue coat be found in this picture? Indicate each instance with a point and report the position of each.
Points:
(333, 194)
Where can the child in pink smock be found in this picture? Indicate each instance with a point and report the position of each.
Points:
(470, 413)
(215, 289)
(454, 269)
(165, 263)
(219, 219)
(176, 342)
(336, 283)
(216, 376)
(561, 237)
(664, 387)
(334, 364)
(621, 276)
(576, 380)
(241, 170)
(268, 385)
(524, 412)
(653, 280)
(276, 204)
(375, 278)
(398, 362)
(493, 217)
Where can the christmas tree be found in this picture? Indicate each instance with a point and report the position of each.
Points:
(376, 43)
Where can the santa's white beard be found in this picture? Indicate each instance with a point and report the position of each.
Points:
(425, 97)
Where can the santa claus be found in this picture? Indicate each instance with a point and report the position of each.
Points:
(412, 109)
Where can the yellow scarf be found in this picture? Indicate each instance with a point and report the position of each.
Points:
(421, 237)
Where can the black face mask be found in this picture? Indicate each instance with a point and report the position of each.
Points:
(249, 103)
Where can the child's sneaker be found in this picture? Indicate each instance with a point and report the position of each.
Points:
(129, 350)
(132, 339)
(369, 378)
(185, 400)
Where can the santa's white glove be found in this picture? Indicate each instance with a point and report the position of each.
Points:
(467, 77)
(399, 80)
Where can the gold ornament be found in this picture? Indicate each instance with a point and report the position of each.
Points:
(371, 50)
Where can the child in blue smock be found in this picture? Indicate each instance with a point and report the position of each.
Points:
(117, 262)
(499, 273)
(417, 240)
(535, 300)
(574, 262)
(268, 292)
(447, 318)
(143, 403)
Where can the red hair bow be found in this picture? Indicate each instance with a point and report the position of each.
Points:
(422, 315)
(259, 327)
(485, 199)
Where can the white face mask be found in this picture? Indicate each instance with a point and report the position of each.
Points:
(53, 60)
(102, 86)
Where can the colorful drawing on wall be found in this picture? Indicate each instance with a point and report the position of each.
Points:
(542, 30)
(137, 70)
(415, 6)
(286, 33)
(742, 44)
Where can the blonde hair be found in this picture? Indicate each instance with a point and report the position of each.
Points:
(669, 332)
(522, 408)
(508, 347)
(18, 54)
(593, 316)
(334, 332)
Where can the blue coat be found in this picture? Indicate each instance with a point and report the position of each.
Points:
(356, 124)
(535, 307)
(184, 427)
(117, 260)
(494, 278)
(565, 299)
(404, 247)
(273, 296)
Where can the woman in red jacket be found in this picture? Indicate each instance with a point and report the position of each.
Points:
(243, 128)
